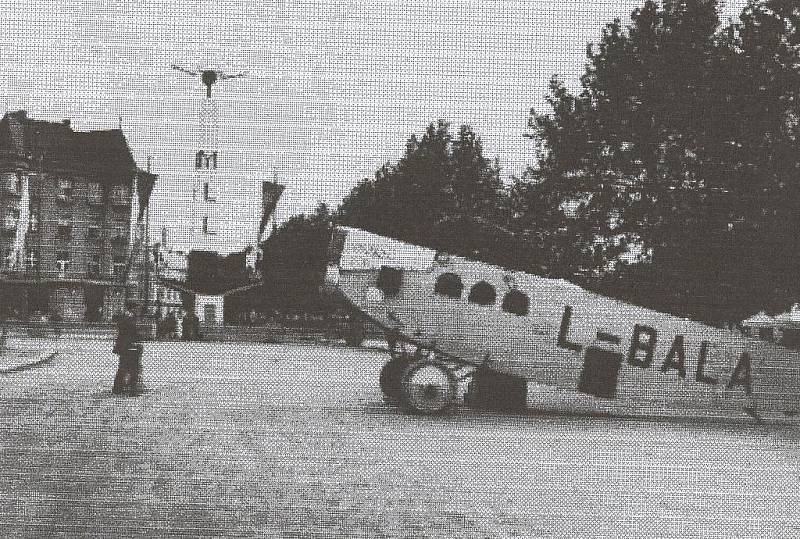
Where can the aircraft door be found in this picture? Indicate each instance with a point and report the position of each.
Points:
(601, 364)
(389, 281)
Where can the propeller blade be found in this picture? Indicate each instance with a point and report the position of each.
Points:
(179, 68)
(224, 76)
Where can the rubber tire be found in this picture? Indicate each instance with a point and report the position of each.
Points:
(356, 334)
(406, 399)
(391, 377)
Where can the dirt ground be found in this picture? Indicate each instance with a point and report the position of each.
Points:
(295, 441)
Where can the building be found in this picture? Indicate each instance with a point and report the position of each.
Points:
(176, 285)
(208, 190)
(71, 210)
(229, 217)
(783, 328)
(166, 266)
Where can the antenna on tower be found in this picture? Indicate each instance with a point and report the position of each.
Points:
(208, 77)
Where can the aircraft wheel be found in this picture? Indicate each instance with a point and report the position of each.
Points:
(428, 387)
(356, 334)
(392, 375)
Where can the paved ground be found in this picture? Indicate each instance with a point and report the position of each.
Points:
(279, 440)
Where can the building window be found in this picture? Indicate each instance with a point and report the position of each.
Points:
(94, 266)
(482, 294)
(449, 285)
(210, 313)
(94, 192)
(198, 160)
(119, 235)
(11, 183)
(120, 216)
(32, 260)
(66, 188)
(11, 218)
(119, 268)
(33, 219)
(120, 195)
(515, 302)
(62, 263)
(7, 259)
(205, 192)
(205, 225)
(64, 232)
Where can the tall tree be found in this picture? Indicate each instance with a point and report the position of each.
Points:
(436, 185)
(683, 140)
(295, 257)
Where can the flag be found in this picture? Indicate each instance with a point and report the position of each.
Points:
(270, 194)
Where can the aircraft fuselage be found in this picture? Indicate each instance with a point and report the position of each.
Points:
(546, 331)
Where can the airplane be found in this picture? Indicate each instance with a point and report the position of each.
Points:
(525, 341)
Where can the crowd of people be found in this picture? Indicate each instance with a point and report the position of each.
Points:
(181, 325)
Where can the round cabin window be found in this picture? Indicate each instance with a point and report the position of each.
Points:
(482, 294)
(449, 285)
(515, 302)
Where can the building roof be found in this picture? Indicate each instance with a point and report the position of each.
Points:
(104, 154)
(761, 319)
(789, 319)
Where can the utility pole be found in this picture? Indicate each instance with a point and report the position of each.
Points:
(147, 251)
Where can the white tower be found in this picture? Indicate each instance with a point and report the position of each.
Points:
(208, 190)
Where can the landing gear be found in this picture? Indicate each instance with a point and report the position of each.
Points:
(428, 387)
(392, 376)
(356, 333)
(419, 379)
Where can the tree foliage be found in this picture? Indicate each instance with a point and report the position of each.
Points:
(295, 261)
(437, 194)
(683, 140)
(672, 178)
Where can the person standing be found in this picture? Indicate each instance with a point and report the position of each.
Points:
(194, 326)
(169, 326)
(178, 329)
(187, 326)
(129, 349)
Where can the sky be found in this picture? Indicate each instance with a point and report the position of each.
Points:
(333, 89)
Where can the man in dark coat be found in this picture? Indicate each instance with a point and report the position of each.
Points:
(191, 326)
(127, 346)
(195, 323)
(186, 326)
